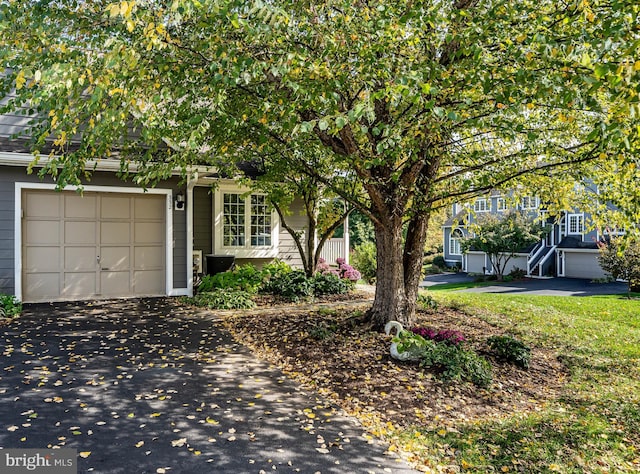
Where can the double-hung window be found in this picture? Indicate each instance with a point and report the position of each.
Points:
(529, 202)
(575, 224)
(501, 204)
(481, 205)
(246, 225)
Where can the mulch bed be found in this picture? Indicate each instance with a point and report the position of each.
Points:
(329, 347)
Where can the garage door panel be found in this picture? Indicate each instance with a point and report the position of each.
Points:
(43, 204)
(42, 286)
(148, 207)
(148, 258)
(79, 284)
(93, 245)
(80, 206)
(42, 232)
(115, 207)
(42, 259)
(115, 283)
(80, 233)
(115, 258)
(148, 282)
(80, 259)
(149, 233)
(115, 233)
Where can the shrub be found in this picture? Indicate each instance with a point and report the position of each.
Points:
(427, 302)
(330, 284)
(9, 306)
(244, 278)
(518, 273)
(364, 259)
(511, 349)
(439, 261)
(223, 299)
(448, 336)
(346, 271)
(274, 269)
(292, 286)
(454, 362)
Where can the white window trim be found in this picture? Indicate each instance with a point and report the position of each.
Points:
(455, 242)
(246, 251)
(580, 217)
(499, 201)
(486, 205)
(534, 203)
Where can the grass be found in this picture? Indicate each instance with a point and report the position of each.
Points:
(593, 427)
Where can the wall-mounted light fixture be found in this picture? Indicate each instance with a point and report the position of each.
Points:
(178, 202)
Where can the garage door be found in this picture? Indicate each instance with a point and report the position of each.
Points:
(98, 245)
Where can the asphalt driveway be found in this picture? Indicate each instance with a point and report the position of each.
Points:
(531, 286)
(145, 386)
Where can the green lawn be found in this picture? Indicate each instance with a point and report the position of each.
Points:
(593, 427)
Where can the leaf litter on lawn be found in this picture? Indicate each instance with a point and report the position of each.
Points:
(331, 349)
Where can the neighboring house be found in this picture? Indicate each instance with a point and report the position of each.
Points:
(567, 250)
(119, 240)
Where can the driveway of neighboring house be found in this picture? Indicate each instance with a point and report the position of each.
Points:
(530, 286)
(147, 386)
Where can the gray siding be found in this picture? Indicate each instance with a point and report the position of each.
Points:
(11, 174)
(582, 265)
(7, 205)
(203, 222)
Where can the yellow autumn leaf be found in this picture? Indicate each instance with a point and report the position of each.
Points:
(85, 454)
(20, 80)
(139, 444)
(114, 10)
(211, 421)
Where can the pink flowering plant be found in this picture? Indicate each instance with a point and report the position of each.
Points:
(344, 270)
(447, 336)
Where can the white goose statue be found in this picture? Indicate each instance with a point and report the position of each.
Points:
(393, 350)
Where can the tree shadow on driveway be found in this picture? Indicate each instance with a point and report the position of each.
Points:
(147, 386)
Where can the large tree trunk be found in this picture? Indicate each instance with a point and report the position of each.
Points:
(391, 299)
(399, 271)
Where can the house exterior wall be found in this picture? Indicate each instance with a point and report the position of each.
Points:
(7, 285)
(203, 222)
(449, 258)
(9, 175)
(518, 261)
(582, 265)
(288, 252)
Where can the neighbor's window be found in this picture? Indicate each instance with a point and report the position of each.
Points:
(481, 205)
(454, 242)
(529, 202)
(575, 224)
(501, 204)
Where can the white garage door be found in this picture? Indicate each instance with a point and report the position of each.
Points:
(97, 245)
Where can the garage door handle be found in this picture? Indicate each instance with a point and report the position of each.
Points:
(105, 269)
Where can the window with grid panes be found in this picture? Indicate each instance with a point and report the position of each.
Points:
(233, 230)
(260, 222)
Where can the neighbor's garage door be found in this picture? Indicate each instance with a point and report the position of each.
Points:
(98, 245)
